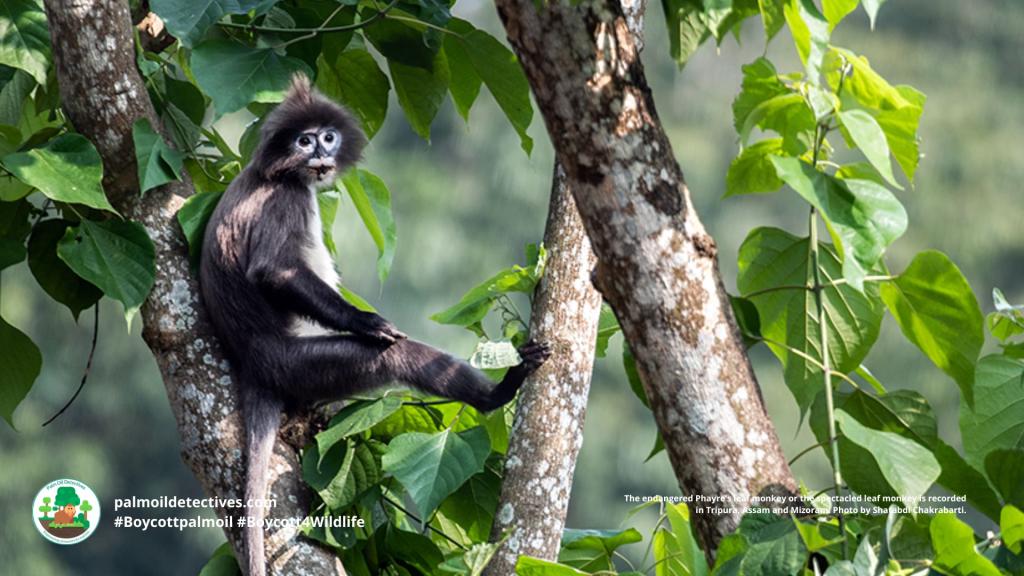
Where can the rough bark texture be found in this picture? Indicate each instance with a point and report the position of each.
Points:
(548, 429)
(103, 95)
(657, 266)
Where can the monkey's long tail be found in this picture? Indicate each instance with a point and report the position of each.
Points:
(262, 420)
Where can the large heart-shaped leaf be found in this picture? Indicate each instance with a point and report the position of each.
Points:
(774, 268)
(937, 311)
(432, 466)
(235, 75)
(420, 91)
(25, 37)
(1005, 469)
(775, 545)
(22, 361)
(116, 256)
(68, 169)
(473, 505)
(188, 20)
(354, 79)
(344, 472)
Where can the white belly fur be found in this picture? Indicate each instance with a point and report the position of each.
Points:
(318, 258)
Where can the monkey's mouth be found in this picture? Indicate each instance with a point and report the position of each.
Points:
(321, 168)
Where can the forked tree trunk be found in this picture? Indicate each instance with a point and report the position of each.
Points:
(657, 266)
(548, 429)
(103, 95)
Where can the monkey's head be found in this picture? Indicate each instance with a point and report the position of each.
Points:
(307, 137)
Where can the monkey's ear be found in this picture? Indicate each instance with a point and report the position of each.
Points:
(300, 90)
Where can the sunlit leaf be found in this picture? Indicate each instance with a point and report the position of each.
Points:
(234, 74)
(68, 169)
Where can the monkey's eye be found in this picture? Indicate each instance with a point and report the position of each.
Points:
(330, 139)
(304, 142)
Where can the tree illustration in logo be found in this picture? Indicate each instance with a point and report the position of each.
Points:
(65, 523)
(46, 508)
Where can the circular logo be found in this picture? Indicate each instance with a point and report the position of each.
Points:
(66, 511)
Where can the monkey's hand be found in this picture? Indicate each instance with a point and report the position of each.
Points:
(534, 354)
(375, 327)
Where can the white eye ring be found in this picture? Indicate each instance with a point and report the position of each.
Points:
(330, 139)
(305, 142)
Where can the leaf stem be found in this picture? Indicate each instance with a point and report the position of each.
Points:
(819, 300)
(308, 33)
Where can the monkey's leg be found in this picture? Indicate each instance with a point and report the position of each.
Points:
(329, 367)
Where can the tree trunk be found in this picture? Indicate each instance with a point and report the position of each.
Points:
(657, 266)
(103, 94)
(548, 429)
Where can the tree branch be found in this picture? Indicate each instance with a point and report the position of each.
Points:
(657, 266)
(548, 429)
(103, 95)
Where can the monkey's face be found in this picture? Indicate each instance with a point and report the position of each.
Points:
(318, 149)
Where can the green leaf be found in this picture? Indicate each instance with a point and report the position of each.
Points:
(420, 91)
(909, 468)
(432, 466)
(25, 37)
(473, 561)
(996, 420)
(936, 310)
(955, 555)
(345, 472)
(1007, 321)
(866, 217)
(1005, 469)
(355, 80)
(475, 304)
(234, 74)
(472, 506)
(373, 203)
(765, 102)
(22, 361)
(677, 551)
(401, 42)
(752, 172)
(775, 545)
(633, 375)
(687, 28)
(528, 566)
(897, 109)
(355, 299)
(17, 86)
(193, 216)
(772, 17)
(52, 274)
(960, 478)
(593, 550)
(729, 556)
(500, 71)
(116, 256)
(607, 326)
(870, 139)
(836, 10)
(427, 419)
(67, 169)
(465, 81)
(1011, 525)
(355, 418)
(810, 33)
(872, 6)
(158, 163)
(11, 252)
(188, 20)
(770, 258)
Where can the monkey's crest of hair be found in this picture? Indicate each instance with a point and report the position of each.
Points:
(305, 108)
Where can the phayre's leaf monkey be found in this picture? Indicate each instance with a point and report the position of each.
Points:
(270, 287)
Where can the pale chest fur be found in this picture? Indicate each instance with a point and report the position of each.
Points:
(319, 260)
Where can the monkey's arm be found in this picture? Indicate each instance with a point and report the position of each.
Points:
(291, 285)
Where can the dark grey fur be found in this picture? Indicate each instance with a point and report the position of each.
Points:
(255, 283)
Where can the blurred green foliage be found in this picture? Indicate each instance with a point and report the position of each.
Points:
(472, 198)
